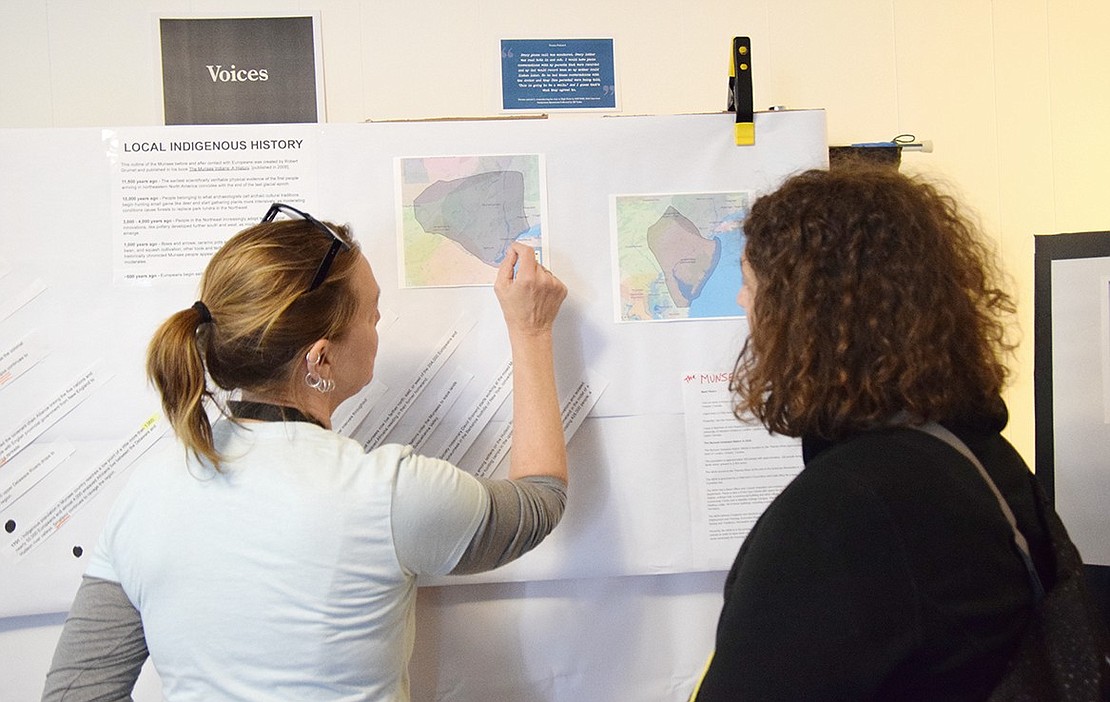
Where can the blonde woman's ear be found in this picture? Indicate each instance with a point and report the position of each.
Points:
(317, 354)
(318, 368)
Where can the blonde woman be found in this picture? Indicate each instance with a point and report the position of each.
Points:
(265, 557)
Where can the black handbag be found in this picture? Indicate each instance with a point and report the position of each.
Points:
(1064, 653)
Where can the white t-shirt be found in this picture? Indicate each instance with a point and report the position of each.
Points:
(300, 556)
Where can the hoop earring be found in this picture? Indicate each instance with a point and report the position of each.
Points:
(313, 379)
(318, 383)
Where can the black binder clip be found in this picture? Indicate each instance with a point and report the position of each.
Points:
(740, 98)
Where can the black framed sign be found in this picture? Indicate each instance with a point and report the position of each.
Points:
(241, 70)
(1071, 371)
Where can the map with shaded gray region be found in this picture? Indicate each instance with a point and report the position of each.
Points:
(483, 213)
(686, 258)
(677, 255)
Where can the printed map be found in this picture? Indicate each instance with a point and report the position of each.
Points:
(677, 256)
(459, 215)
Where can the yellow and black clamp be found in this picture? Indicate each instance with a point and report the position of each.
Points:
(740, 98)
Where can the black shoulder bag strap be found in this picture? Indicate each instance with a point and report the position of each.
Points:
(1064, 654)
(936, 430)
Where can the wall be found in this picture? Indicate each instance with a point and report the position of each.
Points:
(1013, 95)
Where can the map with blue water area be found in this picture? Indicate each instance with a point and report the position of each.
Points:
(676, 256)
(460, 214)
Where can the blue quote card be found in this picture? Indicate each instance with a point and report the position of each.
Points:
(557, 74)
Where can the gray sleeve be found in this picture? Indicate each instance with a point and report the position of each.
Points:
(522, 512)
(102, 648)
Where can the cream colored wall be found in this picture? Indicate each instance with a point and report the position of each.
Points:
(1014, 95)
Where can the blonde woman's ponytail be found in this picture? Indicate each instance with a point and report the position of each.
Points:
(175, 365)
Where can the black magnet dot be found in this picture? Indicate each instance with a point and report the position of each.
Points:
(9, 526)
(77, 551)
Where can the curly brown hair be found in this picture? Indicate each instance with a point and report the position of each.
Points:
(876, 294)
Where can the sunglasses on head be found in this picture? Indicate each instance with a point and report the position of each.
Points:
(336, 244)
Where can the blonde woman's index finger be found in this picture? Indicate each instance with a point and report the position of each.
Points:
(527, 257)
(505, 270)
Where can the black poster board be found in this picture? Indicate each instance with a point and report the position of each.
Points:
(239, 70)
(1055, 405)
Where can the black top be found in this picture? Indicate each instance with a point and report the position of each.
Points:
(884, 571)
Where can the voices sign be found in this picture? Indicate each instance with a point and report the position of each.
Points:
(246, 70)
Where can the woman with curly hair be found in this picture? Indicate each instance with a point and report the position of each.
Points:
(886, 569)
